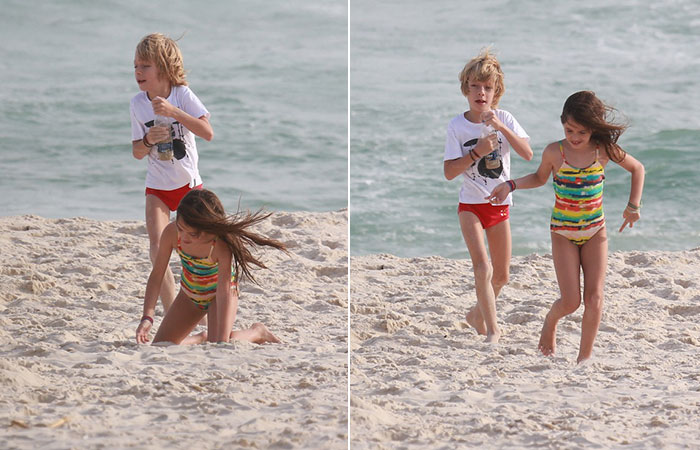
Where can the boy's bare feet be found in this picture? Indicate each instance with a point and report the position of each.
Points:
(548, 338)
(493, 338)
(475, 320)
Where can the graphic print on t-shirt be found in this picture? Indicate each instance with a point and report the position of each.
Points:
(489, 166)
(176, 132)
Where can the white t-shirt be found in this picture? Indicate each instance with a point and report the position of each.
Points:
(182, 169)
(479, 179)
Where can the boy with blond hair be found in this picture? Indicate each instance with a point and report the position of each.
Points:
(478, 148)
(164, 91)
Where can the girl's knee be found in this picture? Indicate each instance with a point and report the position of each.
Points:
(569, 305)
(594, 302)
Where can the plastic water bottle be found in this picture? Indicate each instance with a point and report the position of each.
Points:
(165, 148)
(493, 159)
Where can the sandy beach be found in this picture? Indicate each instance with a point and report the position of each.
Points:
(74, 377)
(421, 378)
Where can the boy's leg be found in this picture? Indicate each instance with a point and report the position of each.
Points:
(500, 249)
(473, 234)
(179, 321)
(594, 260)
(157, 217)
(567, 265)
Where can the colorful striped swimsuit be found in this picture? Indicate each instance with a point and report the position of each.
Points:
(578, 208)
(199, 277)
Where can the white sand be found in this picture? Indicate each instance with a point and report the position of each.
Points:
(420, 378)
(72, 375)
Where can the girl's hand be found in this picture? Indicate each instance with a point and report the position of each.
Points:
(162, 107)
(630, 218)
(490, 118)
(142, 331)
(499, 194)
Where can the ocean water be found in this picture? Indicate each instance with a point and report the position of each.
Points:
(405, 56)
(272, 74)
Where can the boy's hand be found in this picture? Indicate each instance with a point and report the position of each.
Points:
(490, 118)
(486, 145)
(157, 134)
(142, 331)
(499, 194)
(162, 107)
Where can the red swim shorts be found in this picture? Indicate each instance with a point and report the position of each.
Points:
(488, 214)
(171, 198)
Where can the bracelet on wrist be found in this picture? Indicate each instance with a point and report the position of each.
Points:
(149, 318)
(471, 155)
(634, 207)
(511, 183)
(145, 141)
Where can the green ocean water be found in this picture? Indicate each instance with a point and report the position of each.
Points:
(272, 74)
(405, 58)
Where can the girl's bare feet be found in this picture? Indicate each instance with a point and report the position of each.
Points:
(548, 338)
(265, 336)
(582, 359)
(195, 339)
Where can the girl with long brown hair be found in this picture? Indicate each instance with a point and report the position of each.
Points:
(579, 235)
(215, 251)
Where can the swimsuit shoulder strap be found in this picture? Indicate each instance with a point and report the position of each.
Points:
(561, 150)
(211, 250)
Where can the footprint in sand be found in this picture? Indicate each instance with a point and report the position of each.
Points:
(684, 310)
(520, 318)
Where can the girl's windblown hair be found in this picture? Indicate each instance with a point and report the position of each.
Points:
(590, 112)
(202, 210)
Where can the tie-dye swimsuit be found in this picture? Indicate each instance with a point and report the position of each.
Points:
(199, 277)
(578, 209)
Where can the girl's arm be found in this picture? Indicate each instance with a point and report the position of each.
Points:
(226, 300)
(631, 214)
(199, 126)
(155, 279)
(530, 181)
